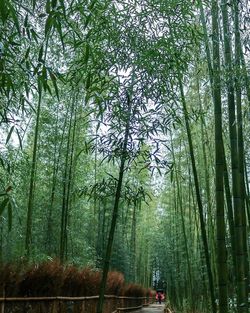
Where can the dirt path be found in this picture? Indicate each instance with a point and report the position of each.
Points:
(153, 308)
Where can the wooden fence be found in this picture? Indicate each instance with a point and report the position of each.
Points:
(112, 304)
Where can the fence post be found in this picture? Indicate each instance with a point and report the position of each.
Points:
(3, 302)
(2, 306)
(82, 310)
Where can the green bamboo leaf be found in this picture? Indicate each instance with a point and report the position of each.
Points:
(88, 80)
(53, 3)
(20, 139)
(171, 176)
(9, 216)
(9, 134)
(33, 4)
(2, 162)
(3, 205)
(92, 4)
(22, 102)
(53, 79)
(26, 87)
(28, 33)
(58, 27)
(39, 87)
(34, 35)
(87, 53)
(87, 21)
(27, 53)
(44, 73)
(48, 24)
(48, 7)
(25, 23)
(48, 88)
(63, 7)
(14, 17)
(40, 54)
(3, 11)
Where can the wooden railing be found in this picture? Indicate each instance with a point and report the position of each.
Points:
(112, 304)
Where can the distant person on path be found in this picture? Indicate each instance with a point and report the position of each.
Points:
(159, 297)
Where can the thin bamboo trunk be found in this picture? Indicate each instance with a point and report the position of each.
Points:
(247, 193)
(115, 209)
(230, 214)
(190, 289)
(243, 278)
(206, 42)
(48, 234)
(133, 244)
(245, 74)
(28, 237)
(237, 184)
(211, 228)
(219, 166)
(1, 240)
(198, 198)
(56, 163)
(63, 234)
(70, 183)
(179, 199)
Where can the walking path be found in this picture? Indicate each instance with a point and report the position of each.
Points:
(153, 308)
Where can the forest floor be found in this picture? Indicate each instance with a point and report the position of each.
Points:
(153, 308)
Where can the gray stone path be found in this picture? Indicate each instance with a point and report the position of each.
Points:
(153, 308)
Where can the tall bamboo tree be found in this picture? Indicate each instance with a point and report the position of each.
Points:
(28, 237)
(116, 204)
(219, 167)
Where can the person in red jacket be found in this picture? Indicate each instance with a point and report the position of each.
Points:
(159, 296)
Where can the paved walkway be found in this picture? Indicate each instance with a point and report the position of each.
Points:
(153, 308)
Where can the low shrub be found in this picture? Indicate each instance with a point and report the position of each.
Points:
(51, 278)
(115, 283)
(72, 282)
(134, 290)
(78, 283)
(10, 276)
(42, 280)
(90, 282)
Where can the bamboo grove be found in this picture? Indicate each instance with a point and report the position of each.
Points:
(124, 143)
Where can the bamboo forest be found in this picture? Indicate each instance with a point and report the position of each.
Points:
(124, 156)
